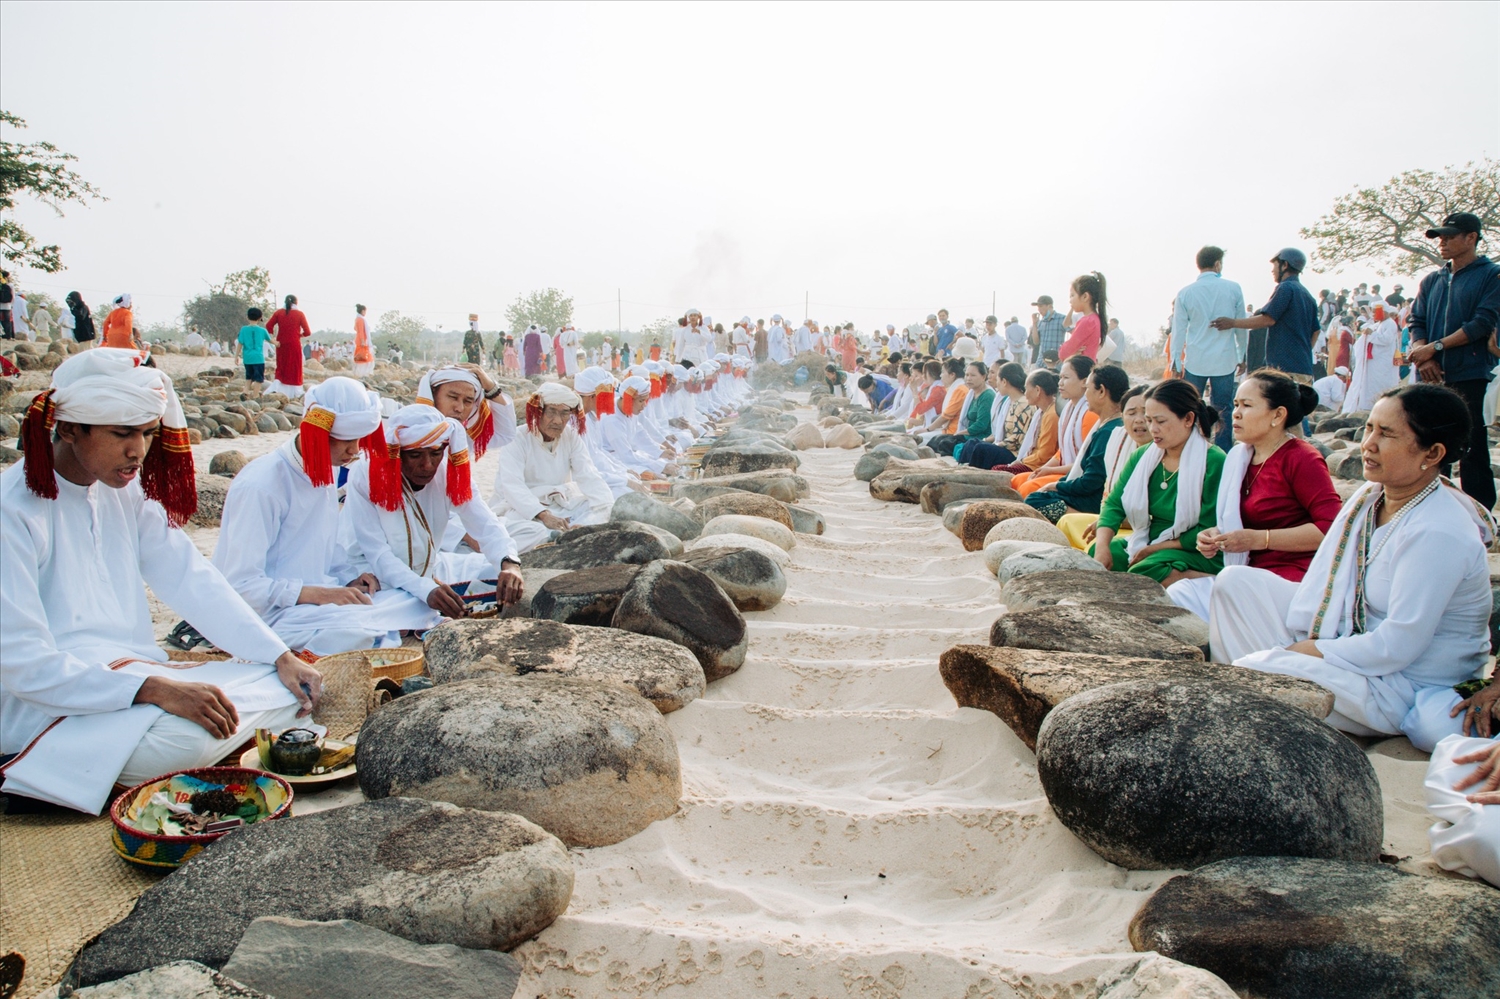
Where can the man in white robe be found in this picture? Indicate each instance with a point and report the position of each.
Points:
(802, 340)
(1375, 370)
(565, 344)
(547, 483)
(776, 340)
(395, 527)
(625, 440)
(596, 387)
(895, 340)
(1332, 388)
(278, 543)
(742, 337)
(86, 697)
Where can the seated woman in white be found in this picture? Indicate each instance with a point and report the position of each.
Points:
(1394, 609)
(1463, 792)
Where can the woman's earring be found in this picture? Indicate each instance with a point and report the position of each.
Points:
(1424, 468)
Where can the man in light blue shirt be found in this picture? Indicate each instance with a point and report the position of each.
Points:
(1201, 354)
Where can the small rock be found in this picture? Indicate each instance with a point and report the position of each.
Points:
(755, 527)
(664, 673)
(588, 596)
(1327, 929)
(598, 548)
(935, 496)
(427, 871)
(1022, 685)
(1101, 632)
(342, 959)
(675, 601)
(998, 551)
(1154, 774)
(648, 510)
(1076, 586)
(1022, 529)
(749, 578)
(1052, 558)
(227, 463)
(592, 763)
(804, 437)
(744, 505)
(775, 553)
(895, 451)
(266, 423)
(1157, 977)
(806, 521)
(871, 464)
(953, 517)
(843, 436)
(9, 426)
(177, 980)
(226, 432)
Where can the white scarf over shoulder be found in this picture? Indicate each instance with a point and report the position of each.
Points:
(1070, 431)
(1236, 463)
(1192, 465)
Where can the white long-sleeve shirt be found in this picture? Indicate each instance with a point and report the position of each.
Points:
(619, 440)
(614, 473)
(72, 601)
(384, 537)
(279, 533)
(536, 475)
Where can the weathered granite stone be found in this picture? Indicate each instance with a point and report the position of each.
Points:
(599, 548)
(1102, 632)
(1327, 929)
(755, 527)
(902, 483)
(675, 601)
(804, 437)
(871, 464)
(1176, 621)
(343, 959)
(1021, 529)
(212, 491)
(746, 458)
(1053, 558)
(428, 871)
(997, 552)
(592, 763)
(935, 496)
(671, 542)
(895, 450)
(588, 596)
(227, 463)
(177, 980)
(843, 436)
(778, 483)
(806, 520)
(953, 516)
(664, 673)
(775, 553)
(744, 505)
(1078, 586)
(749, 578)
(1023, 685)
(1153, 774)
(1157, 977)
(648, 510)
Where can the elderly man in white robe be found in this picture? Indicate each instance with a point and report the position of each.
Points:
(395, 508)
(547, 483)
(87, 522)
(278, 543)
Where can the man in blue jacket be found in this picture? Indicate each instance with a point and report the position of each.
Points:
(1452, 324)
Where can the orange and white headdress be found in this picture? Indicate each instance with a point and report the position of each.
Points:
(109, 387)
(553, 394)
(600, 384)
(413, 427)
(634, 393)
(341, 409)
(480, 423)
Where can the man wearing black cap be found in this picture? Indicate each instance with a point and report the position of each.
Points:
(1452, 322)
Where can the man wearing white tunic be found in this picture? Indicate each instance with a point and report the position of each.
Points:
(624, 439)
(1333, 388)
(596, 387)
(1394, 609)
(86, 699)
(395, 527)
(693, 339)
(565, 345)
(278, 543)
(547, 482)
(1375, 370)
(802, 340)
(741, 338)
(776, 340)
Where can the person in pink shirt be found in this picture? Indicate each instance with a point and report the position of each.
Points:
(1089, 302)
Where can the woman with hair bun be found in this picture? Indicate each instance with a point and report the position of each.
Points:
(1394, 610)
(289, 326)
(1276, 498)
(1168, 491)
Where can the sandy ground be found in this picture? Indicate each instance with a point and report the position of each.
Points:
(845, 829)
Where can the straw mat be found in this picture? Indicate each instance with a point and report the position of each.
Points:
(61, 885)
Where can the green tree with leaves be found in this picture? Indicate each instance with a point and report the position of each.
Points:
(402, 332)
(218, 316)
(39, 170)
(1385, 226)
(252, 285)
(548, 307)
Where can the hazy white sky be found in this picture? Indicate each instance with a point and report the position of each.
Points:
(886, 159)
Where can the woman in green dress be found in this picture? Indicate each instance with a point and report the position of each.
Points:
(1174, 484)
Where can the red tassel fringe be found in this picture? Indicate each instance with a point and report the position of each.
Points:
(604, 402)
(385, 471)
(479, 442)
(460, 490)
(313, 435)
(533, 413)
(36, 440)
(168, 476)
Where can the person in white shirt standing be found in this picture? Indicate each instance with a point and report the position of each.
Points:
(1016, 337)
(1205, 356)
(992, 342)
(740, 339)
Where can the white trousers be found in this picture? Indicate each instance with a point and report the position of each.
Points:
(173, 743)
(324, 629)
(527, 534)
(1466, 839)
(1247, 627)
(1193, 594)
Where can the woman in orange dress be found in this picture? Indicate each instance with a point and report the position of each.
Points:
(1072, 428)
(364, 356)
(119, 327)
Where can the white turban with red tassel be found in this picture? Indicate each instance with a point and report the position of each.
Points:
(109, 387)
(480, 422)
(599, 383)
(413, 427)
(342, 409)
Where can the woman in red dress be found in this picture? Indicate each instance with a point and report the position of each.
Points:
(1276, 498)
(289, 326)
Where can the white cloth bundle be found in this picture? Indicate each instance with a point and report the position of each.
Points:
(1137, 500)
(1236, 463)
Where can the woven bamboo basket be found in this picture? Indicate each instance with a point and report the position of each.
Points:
(179, 656)
(356, 683)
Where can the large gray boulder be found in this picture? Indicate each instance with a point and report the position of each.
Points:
(1153, 774)
(1023, 685)
(588, 596)
(871, 464)
(1081, 586)
(429, 871)
(749, 578)
(1327, 929)
(953, 516)
(741, 458)
(671, 542)
(592, 763)
(1176, 621)
(227, 463)
(177, 980)
(744, 505)
(664, 673)
(343, 959)
(676, 601)
(598, 548)
(649, 510)
(1050, 559)
(998, 551)
(937, 495)
(778, 483)
(1087, 628)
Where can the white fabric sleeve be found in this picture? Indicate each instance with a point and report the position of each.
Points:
(510, 483)
(251, 520)
(32, 668)
(487, 529)
(588, 478)
(503, 412)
